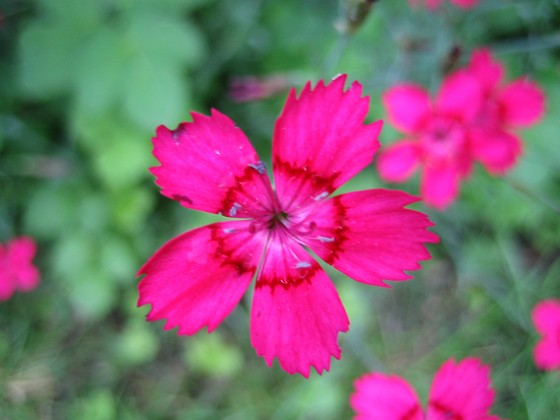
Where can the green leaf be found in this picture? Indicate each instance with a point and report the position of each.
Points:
(155, 94)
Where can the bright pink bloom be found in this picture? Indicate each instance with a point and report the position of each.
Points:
(320, 142)
(546, 317)
(437, 136)
(434, 4)
(17, 271)
(505, 108)
(459, 391)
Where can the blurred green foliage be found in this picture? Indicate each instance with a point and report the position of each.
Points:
(84, 85)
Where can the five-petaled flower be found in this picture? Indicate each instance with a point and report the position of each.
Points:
(436, 136)
(459, 391)
(473, 119)
(504, 109)
(17, 272)
(546, 317)
(320, 142)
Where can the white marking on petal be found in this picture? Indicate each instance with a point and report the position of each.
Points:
(325, 239)
(324, 194)
(303, 264)
(229, 230)
(260, 167)
(234, 208)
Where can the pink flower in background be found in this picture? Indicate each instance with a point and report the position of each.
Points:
(17, 272)
(436, 136)
(546, 317)
(253, 88)
(459, 391)
(320, 142)
(505, 108)
(434, 4)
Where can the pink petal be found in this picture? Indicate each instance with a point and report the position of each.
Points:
(408, 106)
(460, 390)
(522, 103)
(488, 71)
(21, 252)
(369, 235)
(7, 281)
(210, 165)
(460, 97)
(386, 397)
(497, 150)
(440, 185)
(321, 141)
(296, 314)
(196, 279)
(546, 317)
(547, 352)
(397, 162)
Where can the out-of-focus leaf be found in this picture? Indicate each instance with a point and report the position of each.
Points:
(98, 405)
(169, 42)
(92, 292)
(155, 94)
(46, 51)
(130, 207)
(101, 71)
(58, 204)
(210, 354)
(136, 344)
(118, 259)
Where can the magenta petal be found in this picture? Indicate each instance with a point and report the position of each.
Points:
(370, 236)
(497, 150)
(7, 281)
(385, 397)
(408, 106)
(296, 314)
(461, 390)
(210, 165)
(196, 279)
(521, 102)
(488, 71)
(321, 141)
(397, 162)
(546, 317)
(440, 185)
(21, 252)
(460, 97)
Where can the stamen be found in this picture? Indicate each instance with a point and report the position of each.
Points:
(260, 167)
(234, 208)
(303, 264)
(324, 194)
(325, 239)
(229, 230)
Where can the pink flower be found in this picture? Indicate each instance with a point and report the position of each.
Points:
(437, 136)
(505, 108)
(17, 271)
(434, 4)
(320, 142)
(459, 391)
(546, 317)
(252, 88)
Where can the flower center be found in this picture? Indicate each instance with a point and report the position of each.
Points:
(443, 139)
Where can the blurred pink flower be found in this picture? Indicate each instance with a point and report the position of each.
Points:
(459, 391)
(546, 317)
(17, 272)
(253, 88)
(320, 142)
(437, 136)
(505, 108)
(434, 4)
